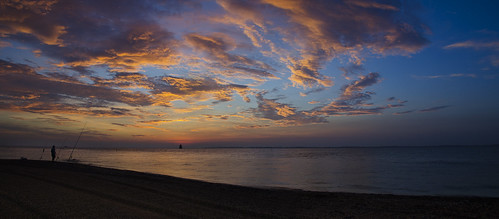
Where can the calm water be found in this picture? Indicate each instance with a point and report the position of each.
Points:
(469, 171)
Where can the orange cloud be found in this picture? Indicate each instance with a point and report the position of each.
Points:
(247, 16)
(191, 108)
(125, 80)
(103, 39)
(330, 30)
(305, 73)
(173, 88)
(283, 114)
(27, 17)
(136, 47)
(21, 80)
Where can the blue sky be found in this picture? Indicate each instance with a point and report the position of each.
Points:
(249, 73)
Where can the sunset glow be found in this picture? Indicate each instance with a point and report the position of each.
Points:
(249, 73)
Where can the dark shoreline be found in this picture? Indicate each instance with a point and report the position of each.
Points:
(31, 188)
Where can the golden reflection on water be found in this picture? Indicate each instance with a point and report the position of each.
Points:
(420, 171)
(250, 167)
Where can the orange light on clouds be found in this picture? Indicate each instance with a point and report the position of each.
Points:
(221, 71)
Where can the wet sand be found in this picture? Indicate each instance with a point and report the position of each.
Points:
(69, 190)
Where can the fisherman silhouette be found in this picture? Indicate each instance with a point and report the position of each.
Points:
(52, 151)
(180, 146)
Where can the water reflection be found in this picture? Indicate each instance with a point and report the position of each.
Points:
(422, 171)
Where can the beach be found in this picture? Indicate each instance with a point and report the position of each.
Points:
(47, 189)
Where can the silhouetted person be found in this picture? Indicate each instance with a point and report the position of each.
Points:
(180, 146)
(52, 151)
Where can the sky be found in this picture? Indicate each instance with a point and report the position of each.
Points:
(260, 73)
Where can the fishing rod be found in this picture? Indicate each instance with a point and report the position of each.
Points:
(60, 148)
(71, 155)
(43, 151)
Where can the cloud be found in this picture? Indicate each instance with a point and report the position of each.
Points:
(169, 88)
(125, 80)
(394, 99)
(120, 124)
(22, 88)
(351, 102)
(84, 34)
(470, 44)
(247, 16)
(16, 131)
(327, 30)
(357, 86)
(474, 45)
(216, 47)
(191, 108)
(5, 44)
(371, 4)
(222, 117)
(283, 114)
(403, 112)
(56, 119)
(352, 69)
(156, 121)
(80, 35)
(133, 47)
(458, 75)
(147, 126)
(245, 126)
(323, 30)
(316, 90)
(305, 72)
(30, 17)
(40, 130)
(245, 10)
(132, 59)
(435, 108)
(353, 99)
(430, 109)
(494, 60)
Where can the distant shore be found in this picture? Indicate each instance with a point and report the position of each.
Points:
(60, 190)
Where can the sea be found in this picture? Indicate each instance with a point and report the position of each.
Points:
(430, 170)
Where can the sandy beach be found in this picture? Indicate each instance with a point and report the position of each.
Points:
(69, 190)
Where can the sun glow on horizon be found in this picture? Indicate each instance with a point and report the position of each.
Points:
(247, 73)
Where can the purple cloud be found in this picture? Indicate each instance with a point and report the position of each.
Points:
(216, 47)
(353, 99)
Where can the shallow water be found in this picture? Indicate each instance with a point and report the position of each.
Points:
(456, 170)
